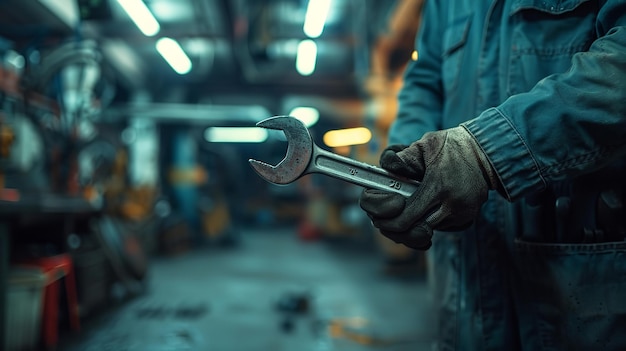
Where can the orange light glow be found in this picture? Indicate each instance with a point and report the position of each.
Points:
(346, 137)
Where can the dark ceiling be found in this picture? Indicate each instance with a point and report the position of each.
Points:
(242, 50)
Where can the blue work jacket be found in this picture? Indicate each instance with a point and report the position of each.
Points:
(541, 85)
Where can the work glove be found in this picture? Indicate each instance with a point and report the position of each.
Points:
(455, 176)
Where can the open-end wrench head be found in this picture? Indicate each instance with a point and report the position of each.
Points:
(299, 151)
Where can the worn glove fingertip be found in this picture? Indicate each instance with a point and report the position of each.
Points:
(422, 247)
(381, 204)
(391, 161)
(421, 235)
(395, 148)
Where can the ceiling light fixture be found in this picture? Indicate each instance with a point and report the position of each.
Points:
(174, 55)
(315, 18)
(141, 15)
(306, 57)
(308, 115)
(235, 135)
(346, 137)
(66, 10)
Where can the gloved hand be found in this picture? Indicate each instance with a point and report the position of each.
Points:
(456, 177)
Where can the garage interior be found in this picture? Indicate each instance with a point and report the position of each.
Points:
(130, 217)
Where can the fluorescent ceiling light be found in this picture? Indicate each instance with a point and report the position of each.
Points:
(346, 137)
(66, 10)
(14, 60)
(315, 18)
(174, 55)
(308, 115)
(306, 57)
(235, 134)
(141, 15)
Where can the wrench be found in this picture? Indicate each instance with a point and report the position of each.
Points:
(304, 157)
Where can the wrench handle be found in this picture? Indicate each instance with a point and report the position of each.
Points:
(360, 173)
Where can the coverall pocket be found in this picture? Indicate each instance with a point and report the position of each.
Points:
(545, 36)
(454, 39)
(571, 296)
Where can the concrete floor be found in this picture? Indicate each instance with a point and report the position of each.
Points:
(226, 300)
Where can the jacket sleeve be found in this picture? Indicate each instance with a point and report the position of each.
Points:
(420, 98)
(568, 124)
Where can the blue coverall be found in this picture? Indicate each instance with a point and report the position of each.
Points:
(541, 85)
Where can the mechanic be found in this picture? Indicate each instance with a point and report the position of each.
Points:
(526, 98)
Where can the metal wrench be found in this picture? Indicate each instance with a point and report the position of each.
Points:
(304, 157)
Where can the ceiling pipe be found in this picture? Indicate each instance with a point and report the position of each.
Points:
(223, 115)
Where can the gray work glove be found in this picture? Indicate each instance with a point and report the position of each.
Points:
(456, 177)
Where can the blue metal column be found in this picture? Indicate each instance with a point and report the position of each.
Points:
(184, 158)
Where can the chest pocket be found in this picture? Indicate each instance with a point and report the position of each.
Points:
(454, 40)
(545, 34)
